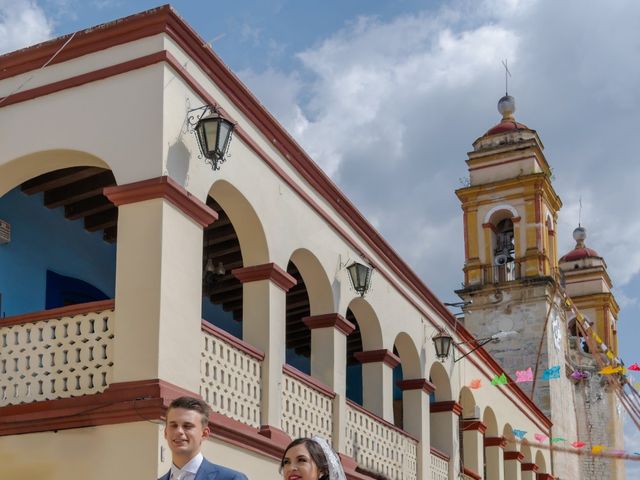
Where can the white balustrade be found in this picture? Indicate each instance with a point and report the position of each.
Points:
(56, 358)
(306, 407)
(230, 377)
(439, 466)
(379, 446)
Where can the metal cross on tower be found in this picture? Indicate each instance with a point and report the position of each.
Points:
(507, 74)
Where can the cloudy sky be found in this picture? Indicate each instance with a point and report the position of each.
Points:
(388, 96)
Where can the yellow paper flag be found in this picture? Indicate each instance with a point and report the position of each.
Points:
(609, 370)
(597, 449)
(609, 355)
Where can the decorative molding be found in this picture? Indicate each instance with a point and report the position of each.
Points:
(267, 271)
(448, 406)
(276, 435)
(162, 187)
(308, 380)
(513, 456)
(68, 311)
(334, 320)
(475, 425)
(529, 467)
(495, 442)
(545, 476)
(234, 341)
(417, 384)
(382, 355)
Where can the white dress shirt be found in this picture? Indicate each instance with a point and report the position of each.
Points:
(188, 472)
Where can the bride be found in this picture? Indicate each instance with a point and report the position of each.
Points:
(310, 459)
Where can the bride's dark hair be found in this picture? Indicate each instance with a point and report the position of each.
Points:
(315, 452)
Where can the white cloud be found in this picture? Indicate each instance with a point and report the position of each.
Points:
(22, 23)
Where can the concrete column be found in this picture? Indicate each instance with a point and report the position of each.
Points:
(529, 471)
(473, 445)
(377, 381)
(264, 326)
(494, 455)
(444, 432)
(513, 465)
(157, 333)
(328, 364)
(415, 399)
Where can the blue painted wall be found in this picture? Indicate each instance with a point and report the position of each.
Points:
(42, 239)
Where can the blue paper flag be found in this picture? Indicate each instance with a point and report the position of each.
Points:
(551, 373)
(519, 433)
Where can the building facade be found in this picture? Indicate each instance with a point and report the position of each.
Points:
(135, 273)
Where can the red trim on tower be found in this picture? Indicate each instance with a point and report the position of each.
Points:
(447, 406)
(417, 384)
(334, 320)
(383, 355)
(162, 187)
(267, 271)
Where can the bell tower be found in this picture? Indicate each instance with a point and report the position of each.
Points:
(511, 276)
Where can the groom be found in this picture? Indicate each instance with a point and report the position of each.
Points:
(187, 425)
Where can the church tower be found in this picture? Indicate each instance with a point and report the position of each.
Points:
(600, 412)
(511, 275)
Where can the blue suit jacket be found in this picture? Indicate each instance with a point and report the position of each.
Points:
(210, 471)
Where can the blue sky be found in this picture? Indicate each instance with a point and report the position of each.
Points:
(388, 96)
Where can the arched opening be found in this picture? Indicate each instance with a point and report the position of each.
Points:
(233, 241)
(492, 454)
(468, 431)
(62, 245)
(541, 462)
(444, 422)
(576, 338)
(408, 368)
(221, 290)
(503, 248)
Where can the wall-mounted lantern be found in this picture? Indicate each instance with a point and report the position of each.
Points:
(213, 133)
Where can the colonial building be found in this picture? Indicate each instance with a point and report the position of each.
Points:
(134, 272)
(514, 282)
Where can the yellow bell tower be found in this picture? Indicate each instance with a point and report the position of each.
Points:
(510, 208)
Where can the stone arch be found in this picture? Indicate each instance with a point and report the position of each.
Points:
(489, 419)
(507, 432)
(440, 379)
(499, 213)
(34, 164)
(408, 354)
(470, 442)
(541, 462)
(316, 280)
(525, 449)
(247, 224)
(368, 323)
(468, 403)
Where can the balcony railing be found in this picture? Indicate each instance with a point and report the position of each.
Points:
(439, 465)
(380, 446)
(306, 405)
(59, 353)
(230, 375)
(501, 273)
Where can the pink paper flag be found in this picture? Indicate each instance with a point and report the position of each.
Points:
(475, 383)
(635, 367)
(524, 375)
(539, 437)
(578, 444)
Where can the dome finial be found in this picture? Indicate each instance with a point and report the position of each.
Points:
(507, 107)
(580, 235)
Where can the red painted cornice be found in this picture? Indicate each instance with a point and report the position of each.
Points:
(448, 406)
(377, 419)
(529, 467)
(267, 271)
(475, 425)
(233, 341)
(513, 456)
(334, 320)
(440, 454)
(162, 187)
(69, 311)
(495, 442)
(417, 384)
(383, 355)
(165, 20)
(308, 380)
